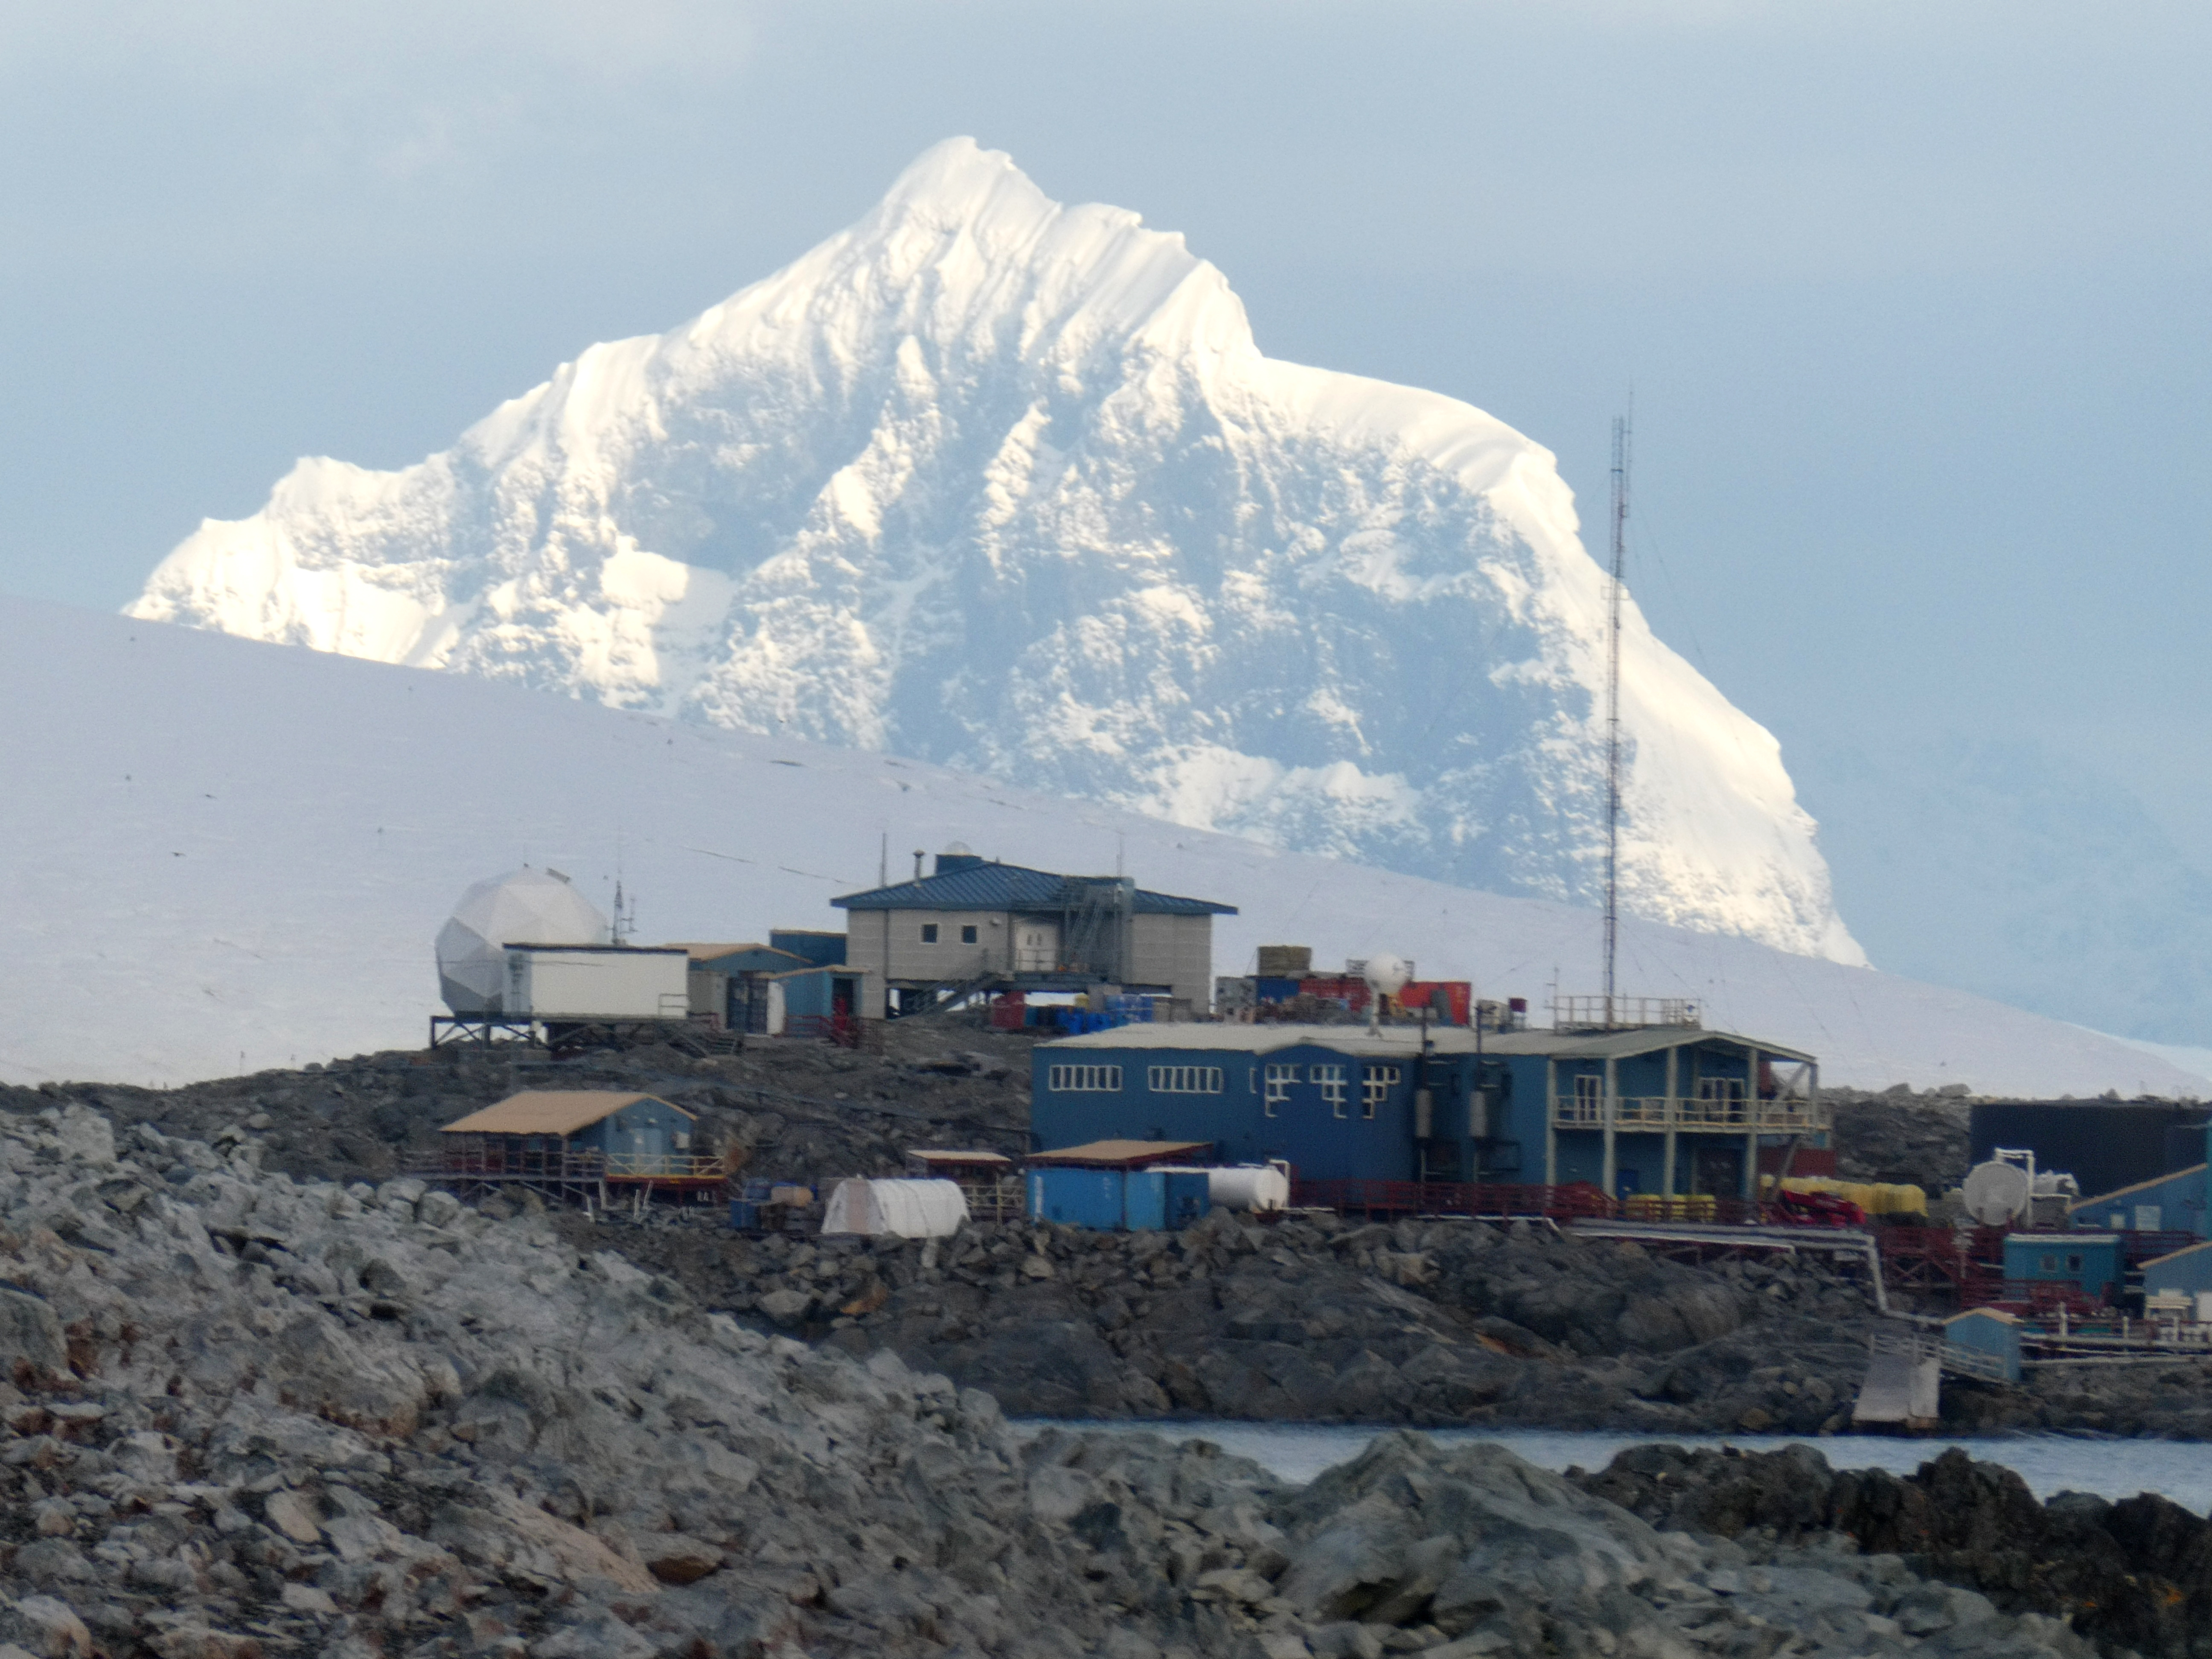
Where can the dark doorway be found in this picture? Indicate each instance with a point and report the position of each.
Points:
(1717, 1171)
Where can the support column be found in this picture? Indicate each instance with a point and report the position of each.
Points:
(1612, 1111)
(1674, 1111)
(1550, 1121)
(1751, 1123)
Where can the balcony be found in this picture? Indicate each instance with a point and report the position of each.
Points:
(1645, 1113)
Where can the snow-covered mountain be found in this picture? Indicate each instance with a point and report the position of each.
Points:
(1008, 486)
(223, 855)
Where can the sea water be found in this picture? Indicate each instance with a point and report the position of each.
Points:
(2179, 1470)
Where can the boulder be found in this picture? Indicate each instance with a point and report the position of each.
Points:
(33, 1348)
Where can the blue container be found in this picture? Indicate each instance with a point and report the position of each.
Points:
(744, 1216)
(1189, 1196)
(1077, 1198)
(1274, 990)
(1144, 1200)
(2091, 1260)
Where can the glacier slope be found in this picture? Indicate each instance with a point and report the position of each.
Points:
(226, 855)
(1008, 486)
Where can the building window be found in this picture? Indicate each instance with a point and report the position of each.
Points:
(1184, 1079)
(1375, 1083)
(1084, 1079)
(1280, 1078)
(929, 933)
(1333, 1091)
(1590, 1098)
(967, 935)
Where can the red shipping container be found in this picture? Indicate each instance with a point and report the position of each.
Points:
(1336, 988)
(1459, 995)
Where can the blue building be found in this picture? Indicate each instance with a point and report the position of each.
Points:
(2090, 1262)
(1669, 1109)
(624, 1136)
(2165, 1204)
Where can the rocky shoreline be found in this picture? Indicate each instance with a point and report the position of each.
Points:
(245, 1415)
(1426, 1324)
(1309, 1319)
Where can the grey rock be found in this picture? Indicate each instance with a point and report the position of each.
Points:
(32, 1345)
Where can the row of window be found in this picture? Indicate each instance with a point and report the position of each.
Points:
(1084, 1079)
(929, 934)
(1375, 1083)
(1183, 1079)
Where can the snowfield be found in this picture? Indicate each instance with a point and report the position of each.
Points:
(224, 855)
(1008, 486)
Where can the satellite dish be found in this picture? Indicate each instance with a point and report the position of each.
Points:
(1386, 975)
(959, 849)
(1997, 1193)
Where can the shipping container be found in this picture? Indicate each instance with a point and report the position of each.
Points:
(1189, 1197)
(1144, 1200)
(1456, 995)
(598, 981)
(1108, 1201)
(1077, 1198)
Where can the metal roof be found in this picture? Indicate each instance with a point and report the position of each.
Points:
(549, 1112)
(1259, 1038)
(979, 1160)
(1119, 1154)
(1009, 887)
(708, 952)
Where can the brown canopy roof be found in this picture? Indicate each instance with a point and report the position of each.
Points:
(549, 1112)
(1122, 1154)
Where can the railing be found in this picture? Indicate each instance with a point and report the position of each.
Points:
(845, 1031)
(1577, 1200)
(1691, 1209)
(1680, 1112)
(1964, 1361)
(1561, 1203)
(663, 1166)
(524, 1164)
(1621, 1013)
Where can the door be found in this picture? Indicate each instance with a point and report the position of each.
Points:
(1717, 1171)
(1036, 947)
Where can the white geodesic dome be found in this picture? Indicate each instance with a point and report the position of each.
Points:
(526, 907)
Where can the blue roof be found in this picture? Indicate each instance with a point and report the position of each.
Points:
(1011, 887)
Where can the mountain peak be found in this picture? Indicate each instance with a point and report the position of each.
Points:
(1006, 484)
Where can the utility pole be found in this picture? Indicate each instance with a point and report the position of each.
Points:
(1620, 440)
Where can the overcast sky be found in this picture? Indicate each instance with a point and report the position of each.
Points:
(1913, 297)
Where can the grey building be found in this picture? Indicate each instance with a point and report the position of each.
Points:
(976, 925)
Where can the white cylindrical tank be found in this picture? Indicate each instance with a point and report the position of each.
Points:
(1242, 1186)
(524, 907)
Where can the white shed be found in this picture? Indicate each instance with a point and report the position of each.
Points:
(904, 1209)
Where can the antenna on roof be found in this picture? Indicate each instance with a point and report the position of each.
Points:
(1621, 442)
(883, 862)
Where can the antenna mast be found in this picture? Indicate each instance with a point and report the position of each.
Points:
(1620, 438)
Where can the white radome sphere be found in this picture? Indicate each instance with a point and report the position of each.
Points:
(526, 907)
(1387, 975)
